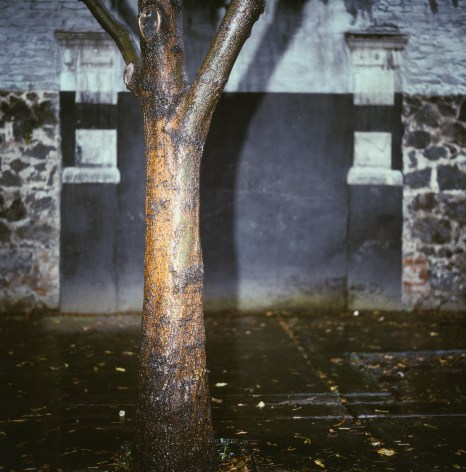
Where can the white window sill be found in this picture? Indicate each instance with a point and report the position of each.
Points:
(91, 175)
(374, 176)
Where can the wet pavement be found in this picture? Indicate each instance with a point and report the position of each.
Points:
(308, 392)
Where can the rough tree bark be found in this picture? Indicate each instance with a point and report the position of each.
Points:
(174, 429)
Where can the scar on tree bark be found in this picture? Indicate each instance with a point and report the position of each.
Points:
(173, 425)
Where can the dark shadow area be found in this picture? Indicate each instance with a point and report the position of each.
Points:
(88, 242)
(280, 204)
(219, 171)
(122, 8)
(131, 193)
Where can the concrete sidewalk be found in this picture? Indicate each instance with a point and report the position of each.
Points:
(309, 392)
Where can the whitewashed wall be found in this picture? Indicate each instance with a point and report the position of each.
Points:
(291, 49)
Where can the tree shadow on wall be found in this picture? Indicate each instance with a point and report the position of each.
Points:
(224, 151)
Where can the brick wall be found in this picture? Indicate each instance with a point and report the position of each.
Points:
(434, 59)
(434, 235)
(29, 57)
(295, 47)
(30, 173)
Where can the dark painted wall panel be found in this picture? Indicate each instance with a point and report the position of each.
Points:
(374, 247)
(131, 190)
(88, 244)
(275, 211)
(276, 164)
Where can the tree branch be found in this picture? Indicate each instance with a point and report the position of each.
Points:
(213, 74)
(117, 31)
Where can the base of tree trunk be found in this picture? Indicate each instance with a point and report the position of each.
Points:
(235, 456)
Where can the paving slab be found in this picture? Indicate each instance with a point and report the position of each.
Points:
(307, 392)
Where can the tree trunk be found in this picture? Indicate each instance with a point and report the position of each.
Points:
(174, 406)
(174, 426)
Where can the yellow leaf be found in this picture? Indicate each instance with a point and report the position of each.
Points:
(386, 452)
(319, 463)
(120, 369)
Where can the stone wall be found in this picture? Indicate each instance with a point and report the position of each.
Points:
(30, 172)
(434, 235)
(297, 46)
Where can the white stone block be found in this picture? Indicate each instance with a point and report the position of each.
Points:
(374, 86)
(96, 147)
(91, 65)
(96, 77)
(374, 176)
(369, 57)
(372, 149)
(372, 160)
(91, 175)
(375, 59)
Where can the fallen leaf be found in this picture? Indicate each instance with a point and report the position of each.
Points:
(260, 405)
(386, 452)
(306, 440)
(120, 369)
(337, 360)
(319, 463)
(221, 384)
(427, 425)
